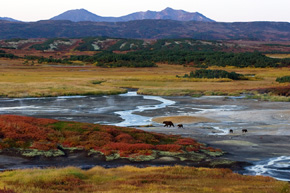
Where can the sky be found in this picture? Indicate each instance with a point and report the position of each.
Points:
(218, 10)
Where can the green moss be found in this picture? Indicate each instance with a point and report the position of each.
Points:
(35, 152)
(113, 157)
(94, 152)
(191, 156)
(141, 158)
(72, 149)
(213, 154)
(170, 154)
(222, 162)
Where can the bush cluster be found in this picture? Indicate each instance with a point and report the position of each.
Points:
(283, 79)
(203, 73)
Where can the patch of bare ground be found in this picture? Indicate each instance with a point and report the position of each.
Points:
(183, 119)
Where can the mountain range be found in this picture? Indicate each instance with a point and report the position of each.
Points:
(148, 29)
(78, 15)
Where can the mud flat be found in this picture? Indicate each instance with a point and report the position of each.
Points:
(206, 119)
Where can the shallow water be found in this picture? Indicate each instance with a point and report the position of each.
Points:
(278, 168)
(131, 109)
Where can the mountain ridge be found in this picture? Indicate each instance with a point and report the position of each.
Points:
(78, 15)
(149, 29)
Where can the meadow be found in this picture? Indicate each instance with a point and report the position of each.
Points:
(130, 179)
(22, 80)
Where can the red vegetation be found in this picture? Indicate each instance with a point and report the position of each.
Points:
(47, 134)
(186, 141)
(126, 149)
(169, 147)
(126, 138)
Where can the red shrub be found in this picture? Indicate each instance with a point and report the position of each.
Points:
(169, 147)
(195, 149)
(43, 145)
(113, 131)
(125, 138)
(186, 141)
(126, 149)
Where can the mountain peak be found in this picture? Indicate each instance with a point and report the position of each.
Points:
(168, 9)
(77, 15)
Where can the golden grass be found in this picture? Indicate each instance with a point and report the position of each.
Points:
(130, 179)
(182, 119)
(278, 55)
(18, 80)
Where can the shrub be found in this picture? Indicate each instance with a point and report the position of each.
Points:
(203, 73)
(283, 79)
(126, 138)
(169, 147)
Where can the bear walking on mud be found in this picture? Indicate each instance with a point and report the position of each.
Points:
(180, 126)
(168, 123)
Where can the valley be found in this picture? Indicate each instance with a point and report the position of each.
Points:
(101, 103)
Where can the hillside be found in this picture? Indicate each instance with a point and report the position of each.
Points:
(149, 29)
(168, 13)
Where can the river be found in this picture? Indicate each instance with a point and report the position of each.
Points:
(133, 110)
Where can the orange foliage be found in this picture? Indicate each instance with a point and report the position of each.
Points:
(124, 137)
(195, 149)
(126, 148)
(169, 147)
(186, 141)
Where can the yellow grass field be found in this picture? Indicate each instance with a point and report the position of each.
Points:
(129, 179)
(18, 80)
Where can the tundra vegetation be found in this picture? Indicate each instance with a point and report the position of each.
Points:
(130, 179)
(28, 136)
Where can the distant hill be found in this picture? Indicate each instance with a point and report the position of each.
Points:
(168, 13)
(149, 29)
(77, 15)
(8, 19)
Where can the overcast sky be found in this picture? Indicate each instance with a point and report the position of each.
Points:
(219, 10)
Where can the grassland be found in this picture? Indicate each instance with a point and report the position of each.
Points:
(130, 179)
(18, 80)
